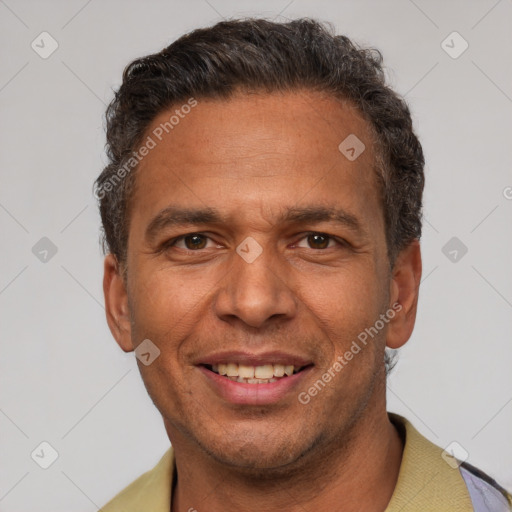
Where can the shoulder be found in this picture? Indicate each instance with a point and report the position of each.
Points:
(150, 491)
(486, 494)
(430, 478)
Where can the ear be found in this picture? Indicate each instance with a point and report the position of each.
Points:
(116, 303)
(404, 290)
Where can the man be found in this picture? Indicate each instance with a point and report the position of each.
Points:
(262, 217)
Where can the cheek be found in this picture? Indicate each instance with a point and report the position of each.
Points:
(165, 310)
(348, 294)
(165, 303)
(342, 307)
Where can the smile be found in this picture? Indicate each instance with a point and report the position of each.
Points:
(248, 374)
(244, 378)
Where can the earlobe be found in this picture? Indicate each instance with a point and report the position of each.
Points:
(116, 303)
(404, 291)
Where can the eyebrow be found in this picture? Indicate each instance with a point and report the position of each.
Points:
(175, 217)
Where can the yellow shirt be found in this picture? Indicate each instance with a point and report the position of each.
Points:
(426, 482)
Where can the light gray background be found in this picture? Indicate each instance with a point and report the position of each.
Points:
(63, 378)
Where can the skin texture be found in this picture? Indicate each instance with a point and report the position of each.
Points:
(253, 157)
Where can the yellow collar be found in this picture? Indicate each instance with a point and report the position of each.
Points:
(426, 481)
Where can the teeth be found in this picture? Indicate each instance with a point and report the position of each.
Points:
(232, 370)
(247, 372)
(253, 374)
(264, 372)
(279, 370)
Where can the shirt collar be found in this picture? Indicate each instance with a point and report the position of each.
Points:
(425, 480)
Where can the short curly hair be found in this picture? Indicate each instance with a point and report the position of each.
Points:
(255, 54)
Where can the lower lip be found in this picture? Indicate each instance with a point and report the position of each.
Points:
(253, 394)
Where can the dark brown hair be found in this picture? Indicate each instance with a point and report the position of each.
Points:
(263, 56)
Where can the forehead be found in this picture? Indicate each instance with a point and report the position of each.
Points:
(258, 152)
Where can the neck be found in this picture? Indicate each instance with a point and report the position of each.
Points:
(360, 473)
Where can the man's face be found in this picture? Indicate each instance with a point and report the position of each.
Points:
(259, 286)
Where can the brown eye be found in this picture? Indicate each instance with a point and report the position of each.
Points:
(194, 241)
(318, 241)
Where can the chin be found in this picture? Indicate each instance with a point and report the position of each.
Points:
(253, 461)
(272, 451)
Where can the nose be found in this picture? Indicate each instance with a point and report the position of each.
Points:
(255, 292)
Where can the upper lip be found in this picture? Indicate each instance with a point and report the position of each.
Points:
(251, 359)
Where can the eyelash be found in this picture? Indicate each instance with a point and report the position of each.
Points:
(172, 242)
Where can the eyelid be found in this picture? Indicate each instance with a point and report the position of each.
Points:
(336, 239)
(173, 241)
